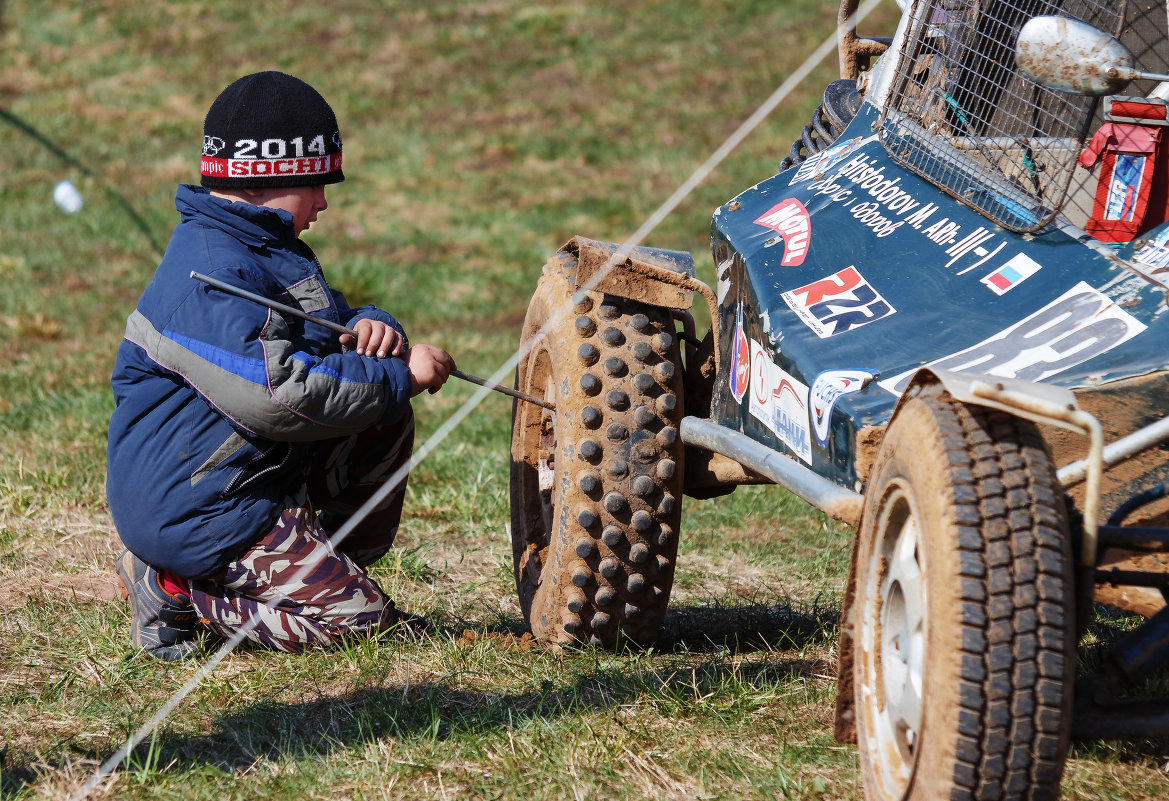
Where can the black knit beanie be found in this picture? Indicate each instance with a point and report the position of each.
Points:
(270, 130)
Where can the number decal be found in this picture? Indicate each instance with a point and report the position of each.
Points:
(1079, 325)
(279, 148)
(273, 148)
(244, 148)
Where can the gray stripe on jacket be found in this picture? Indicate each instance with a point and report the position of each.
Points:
(292, 406)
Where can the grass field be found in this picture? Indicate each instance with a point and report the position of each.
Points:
(479, 137)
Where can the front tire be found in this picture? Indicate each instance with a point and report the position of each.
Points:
(596, 486)
(963, 611)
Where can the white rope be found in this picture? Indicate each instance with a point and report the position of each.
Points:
(655, 219)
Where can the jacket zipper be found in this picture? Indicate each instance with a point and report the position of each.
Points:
(242, 480)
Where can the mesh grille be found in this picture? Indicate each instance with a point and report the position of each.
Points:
(960, 115)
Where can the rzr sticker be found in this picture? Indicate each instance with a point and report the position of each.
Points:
(790, 220)
(1079, 325)
(780, 402)
(841, 302)
(828, 388)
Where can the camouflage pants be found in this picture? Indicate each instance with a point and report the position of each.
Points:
(301, 590)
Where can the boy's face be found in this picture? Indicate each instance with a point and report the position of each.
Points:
(302, 202)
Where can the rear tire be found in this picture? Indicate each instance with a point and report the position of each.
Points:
(963, 611)
(596, 486)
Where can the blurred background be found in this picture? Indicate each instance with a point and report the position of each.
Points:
(479, 136)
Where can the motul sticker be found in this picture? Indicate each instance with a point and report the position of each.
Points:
(1079, 325)
(780, 402)
(841, 302)
(828, 388)
(740, 358)
(790, 220)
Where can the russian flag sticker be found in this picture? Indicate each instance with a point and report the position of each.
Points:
(1011, 274)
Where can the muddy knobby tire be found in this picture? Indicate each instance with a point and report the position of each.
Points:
(963, 614)
(596, 487)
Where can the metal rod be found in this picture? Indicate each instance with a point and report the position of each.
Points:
(1118, 451)
(515, 393)
(837, 502)
(295, 312)
(1135, 538)
(1131, 578)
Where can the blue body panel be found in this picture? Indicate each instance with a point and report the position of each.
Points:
(852, 263)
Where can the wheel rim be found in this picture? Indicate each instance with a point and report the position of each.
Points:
(546, 462)
(893, 643)
(536, 500)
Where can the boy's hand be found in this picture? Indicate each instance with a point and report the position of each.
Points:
(374, 338)
(429, 367)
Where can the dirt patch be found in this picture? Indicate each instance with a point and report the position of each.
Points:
(868, 441)
(67, 554)
(1121, 407)
(79, 587)
(504, 642)
(1144, 601)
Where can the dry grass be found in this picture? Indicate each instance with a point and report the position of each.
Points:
(481, 136)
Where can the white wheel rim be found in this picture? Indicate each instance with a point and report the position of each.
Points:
(546, 466)
(892, 641)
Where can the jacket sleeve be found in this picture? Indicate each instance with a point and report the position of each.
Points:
(246, 361)
(349, 316)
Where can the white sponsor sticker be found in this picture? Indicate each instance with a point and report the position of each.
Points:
(780, 402)
(823, 162)
(1077, 326)
(838, 303)
(1151, 257)
(827, 388)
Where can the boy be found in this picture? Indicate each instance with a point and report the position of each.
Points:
(242, 439)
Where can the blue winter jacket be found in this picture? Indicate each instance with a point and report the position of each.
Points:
(219, 397)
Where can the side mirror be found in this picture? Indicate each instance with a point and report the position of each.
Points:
(1071, 56)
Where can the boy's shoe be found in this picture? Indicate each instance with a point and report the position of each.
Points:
(161, 623)
(404, 624)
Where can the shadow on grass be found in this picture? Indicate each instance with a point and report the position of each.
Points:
(746, 627)
(52, 147)
(436, 713)
(706, 638)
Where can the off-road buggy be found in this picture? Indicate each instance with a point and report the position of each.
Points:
(942, 322)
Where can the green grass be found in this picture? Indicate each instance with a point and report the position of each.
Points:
(479, 137)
